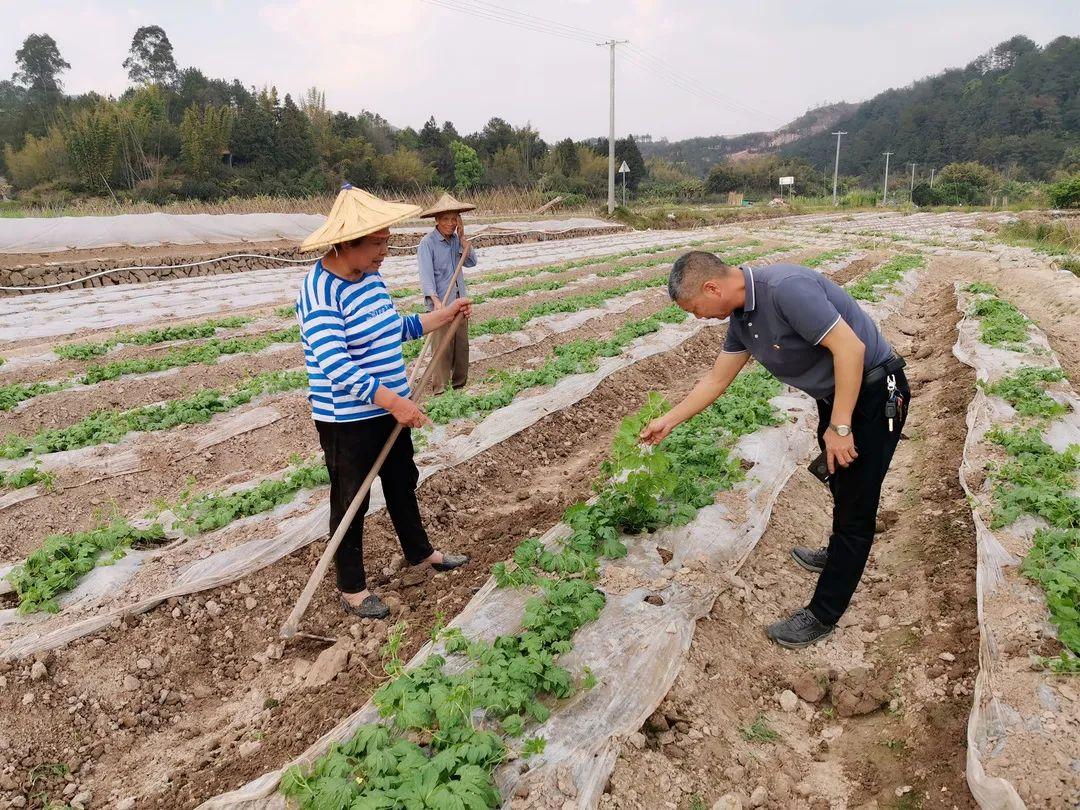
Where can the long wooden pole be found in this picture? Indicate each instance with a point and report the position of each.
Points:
(292, 623)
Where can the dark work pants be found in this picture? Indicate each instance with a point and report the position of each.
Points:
(856, 491)
(350, 449)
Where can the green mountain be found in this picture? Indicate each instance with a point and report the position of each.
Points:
(1016, 108)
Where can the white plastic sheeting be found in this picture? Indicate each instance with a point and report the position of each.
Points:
(1003, 594)
(111, 591)
(56, 234)
(43, 316)
(636, 649)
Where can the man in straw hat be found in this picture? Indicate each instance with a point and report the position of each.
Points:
(437, 258)
(352, 337)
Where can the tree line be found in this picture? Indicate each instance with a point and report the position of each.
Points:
(995, 127)
(177, 134)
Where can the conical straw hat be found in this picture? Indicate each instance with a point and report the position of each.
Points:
(357, 213)
(447, 205)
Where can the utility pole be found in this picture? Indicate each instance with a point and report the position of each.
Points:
(885, 189)
(611, 43)
(912, 192)
(836, 166)
(932, 177)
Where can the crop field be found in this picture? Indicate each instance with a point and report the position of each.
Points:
(163, 500)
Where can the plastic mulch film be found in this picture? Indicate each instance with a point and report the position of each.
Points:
(635, 648)
(55, 234)
(70, 312)
(1015, 730)
(109, 592)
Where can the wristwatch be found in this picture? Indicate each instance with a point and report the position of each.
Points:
(841, 430)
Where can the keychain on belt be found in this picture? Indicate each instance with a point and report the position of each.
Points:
(894, 405)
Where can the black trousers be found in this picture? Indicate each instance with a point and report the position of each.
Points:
(350, 449)
(856, 491)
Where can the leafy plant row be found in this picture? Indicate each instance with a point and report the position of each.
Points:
(1035, 479)
(26, 477)
(876, 284)
(1039, 481)
(190, 331)
(826, 257)
(63, 559)
(208, 352)
(430, 750)
(1001, 324)
(574, 357)
(110, 426)
(1025, 390)
(14, 393)
(561, 267)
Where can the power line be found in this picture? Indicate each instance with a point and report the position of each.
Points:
(542, 27)
(664, 67)
(571, 28)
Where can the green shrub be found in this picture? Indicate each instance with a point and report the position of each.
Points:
(1065, 193)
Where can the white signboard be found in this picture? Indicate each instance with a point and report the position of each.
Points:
(787, 181)
(624, 168)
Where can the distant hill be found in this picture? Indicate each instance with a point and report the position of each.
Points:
(698, 154)
(1017, 106)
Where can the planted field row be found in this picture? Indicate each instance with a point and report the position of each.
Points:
(1021, 471)
(513, 679)
(65, 558)
(215, 348)
(878, 283)
(237, 553)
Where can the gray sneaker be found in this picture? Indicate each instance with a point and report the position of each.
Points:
(801, 629)
(812, 559)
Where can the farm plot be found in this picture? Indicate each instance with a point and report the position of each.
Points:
(217, 471)
(1020, 470)
(236, 704)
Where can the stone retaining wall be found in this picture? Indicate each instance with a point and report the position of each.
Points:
(47, 273)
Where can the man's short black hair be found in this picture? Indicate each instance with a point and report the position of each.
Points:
(692, 270)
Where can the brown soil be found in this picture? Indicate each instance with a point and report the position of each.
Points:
(213, 667)
(858, 267)
(881, 719)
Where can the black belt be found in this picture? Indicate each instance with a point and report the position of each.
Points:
(881, 371)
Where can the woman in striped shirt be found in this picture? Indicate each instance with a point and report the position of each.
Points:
(352, 337)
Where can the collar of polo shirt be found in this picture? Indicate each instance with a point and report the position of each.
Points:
(751, 298)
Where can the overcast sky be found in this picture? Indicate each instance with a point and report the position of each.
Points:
(757, 64)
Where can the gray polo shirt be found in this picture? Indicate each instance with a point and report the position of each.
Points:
(788, 311)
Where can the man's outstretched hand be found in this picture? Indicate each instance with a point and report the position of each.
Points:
(656, 431)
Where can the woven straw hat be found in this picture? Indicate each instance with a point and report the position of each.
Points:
(446, 204)
(357, 213)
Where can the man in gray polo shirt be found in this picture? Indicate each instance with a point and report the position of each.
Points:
(812, 335)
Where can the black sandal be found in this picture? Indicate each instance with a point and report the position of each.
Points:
(371, 608)
(450, 562)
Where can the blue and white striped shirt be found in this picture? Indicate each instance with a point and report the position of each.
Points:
(352, 337)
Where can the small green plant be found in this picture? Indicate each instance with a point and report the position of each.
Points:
(1025, 390)
(286, 311)
(1072, 264)
(14, 393)
(876, 284)
(63, 559)
(826, 257)
(980, 288)
(1002, 324)
(759, 731)
(26, 477)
